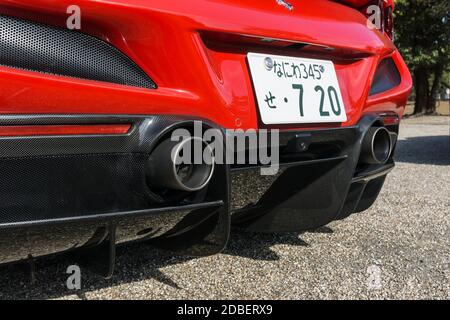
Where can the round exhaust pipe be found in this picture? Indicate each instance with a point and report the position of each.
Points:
(376, 147)
(172, 165)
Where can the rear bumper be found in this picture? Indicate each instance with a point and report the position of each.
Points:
(196, 54)
(61, 193)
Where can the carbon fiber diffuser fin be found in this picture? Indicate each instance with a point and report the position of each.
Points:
(42, 48)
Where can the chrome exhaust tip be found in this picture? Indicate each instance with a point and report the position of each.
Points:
(170, 167)
(376, 147)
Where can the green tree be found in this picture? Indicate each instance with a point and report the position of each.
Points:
(423, 37)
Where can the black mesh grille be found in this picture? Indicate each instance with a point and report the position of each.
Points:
(37, 47)
(45, 188)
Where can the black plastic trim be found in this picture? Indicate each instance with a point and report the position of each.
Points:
(109, 216)
(373, 174)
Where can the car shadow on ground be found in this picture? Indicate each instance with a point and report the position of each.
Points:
(134, 262)
(258, 246)
(434, 150)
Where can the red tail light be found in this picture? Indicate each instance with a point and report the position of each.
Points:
(386, 15)
(64, 130)
(389, 20)
(386, 18)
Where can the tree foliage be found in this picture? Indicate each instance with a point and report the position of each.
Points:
(423, 37)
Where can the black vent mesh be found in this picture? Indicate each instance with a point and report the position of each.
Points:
(52, 187)
(37, 47)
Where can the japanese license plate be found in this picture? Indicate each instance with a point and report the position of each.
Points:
(296, 90)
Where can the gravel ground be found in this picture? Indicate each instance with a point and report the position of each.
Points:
(397, 249)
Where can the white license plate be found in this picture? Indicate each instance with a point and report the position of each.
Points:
(296, 90)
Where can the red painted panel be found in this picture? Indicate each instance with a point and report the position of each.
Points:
(167, 39)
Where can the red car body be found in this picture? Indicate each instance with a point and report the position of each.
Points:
(196, 54)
